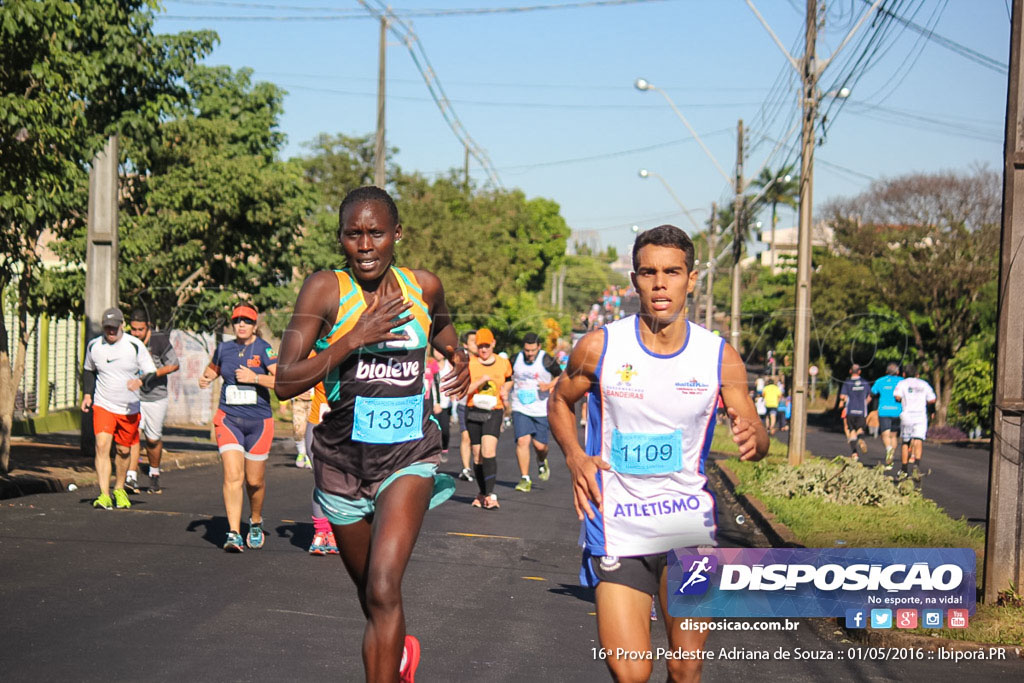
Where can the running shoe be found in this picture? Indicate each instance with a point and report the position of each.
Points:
(121, 501)
(302, 462)
(465, 474)
(410, 660)
(131, 486)
(255, 538)
(103, 502)
(478, 502)
(154, 484)
(491, 502)
(862, 446)
(543, 471)
(234, 543)
(524, 485)
(323, 544)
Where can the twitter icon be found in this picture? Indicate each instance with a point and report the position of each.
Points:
(881, 618)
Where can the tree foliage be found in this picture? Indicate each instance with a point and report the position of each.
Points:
(70, 74)
(215, 215)
(928, 246)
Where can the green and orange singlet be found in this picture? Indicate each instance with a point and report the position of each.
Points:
(379, 420)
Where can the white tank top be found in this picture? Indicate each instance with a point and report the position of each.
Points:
(527, 398)
(652, 418)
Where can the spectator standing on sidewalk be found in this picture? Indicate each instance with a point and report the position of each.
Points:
(153, 400)
(116, 366)
(853, 399)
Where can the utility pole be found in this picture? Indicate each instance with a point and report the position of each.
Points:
(802, 333)
(379, 150)
(101, 290)
(695, 296)
(712, 262)
(1004, 542)
(737, 244)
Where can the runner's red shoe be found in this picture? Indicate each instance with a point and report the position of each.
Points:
(410, 660)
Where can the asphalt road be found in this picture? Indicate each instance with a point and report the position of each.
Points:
(147, 594)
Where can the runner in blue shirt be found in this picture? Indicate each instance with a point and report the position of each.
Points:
(889, 410)
(853, 399)
(244, 423)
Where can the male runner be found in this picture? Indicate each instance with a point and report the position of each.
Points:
(654, 381)
(153, 400)
(853, 399)
(116, 365)
(889, 410)
(534, 374)
(915, 395)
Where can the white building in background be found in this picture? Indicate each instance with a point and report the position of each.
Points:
(822, 235)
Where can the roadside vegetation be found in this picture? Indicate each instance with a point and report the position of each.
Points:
(829, 503)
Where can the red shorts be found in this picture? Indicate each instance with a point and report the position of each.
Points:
(125, 428)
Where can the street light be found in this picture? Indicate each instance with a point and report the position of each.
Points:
(644, 173)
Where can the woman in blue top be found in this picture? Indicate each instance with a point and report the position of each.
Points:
(244, 423)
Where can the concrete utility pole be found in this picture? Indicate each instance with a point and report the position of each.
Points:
(101, 290)
(379, 150)
(1004, 543)
(712, 262)
(101, 250)
(802, 333)
(737, 244)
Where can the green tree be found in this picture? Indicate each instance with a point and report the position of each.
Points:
(70, 74)
(216, 215)
(930, 243)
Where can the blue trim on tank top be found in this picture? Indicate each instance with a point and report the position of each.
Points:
(659, 355)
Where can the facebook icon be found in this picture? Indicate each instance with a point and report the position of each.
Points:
(856, 618)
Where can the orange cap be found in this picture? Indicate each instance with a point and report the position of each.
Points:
(484, 336)
(244, 311)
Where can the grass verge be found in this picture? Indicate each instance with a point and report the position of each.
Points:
(822, 504)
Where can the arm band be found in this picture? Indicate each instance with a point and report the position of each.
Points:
(88, 382)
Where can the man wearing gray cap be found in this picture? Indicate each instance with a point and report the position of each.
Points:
(116, 365)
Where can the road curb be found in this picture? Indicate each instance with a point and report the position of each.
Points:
(42, 482)
(834, 629)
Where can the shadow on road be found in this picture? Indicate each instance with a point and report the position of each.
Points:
(574, 591)
(216, 528)
(300, 533)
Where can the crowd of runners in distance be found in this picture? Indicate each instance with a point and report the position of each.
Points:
(378, 380)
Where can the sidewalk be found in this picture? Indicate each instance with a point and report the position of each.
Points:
(47, 463)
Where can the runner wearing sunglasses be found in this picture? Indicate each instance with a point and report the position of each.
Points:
(244, 423)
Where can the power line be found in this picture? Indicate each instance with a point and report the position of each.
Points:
(523, 105)
(948, 43)
(338, 15)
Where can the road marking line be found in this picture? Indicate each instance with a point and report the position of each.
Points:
(534, 578)
(308, 614)
(459, 533)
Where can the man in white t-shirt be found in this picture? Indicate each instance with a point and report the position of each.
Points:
(534, 373)
(914, 395)
(116, 365)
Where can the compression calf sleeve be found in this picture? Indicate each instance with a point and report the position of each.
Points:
(478, 474)
(490, 474)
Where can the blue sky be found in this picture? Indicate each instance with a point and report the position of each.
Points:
(549, 94)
